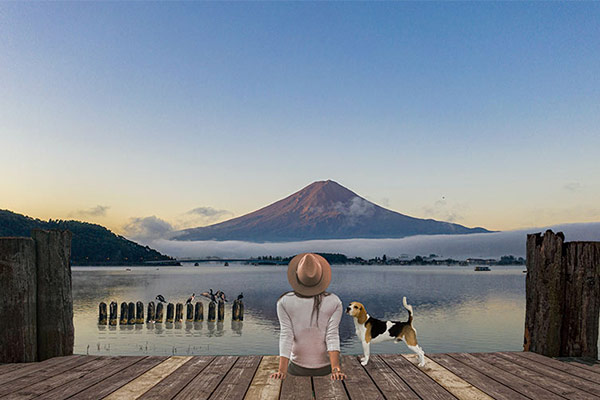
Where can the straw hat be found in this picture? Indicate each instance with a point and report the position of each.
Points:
(309, 274)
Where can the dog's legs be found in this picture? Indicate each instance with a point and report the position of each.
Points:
(366, 351)
(419, 351)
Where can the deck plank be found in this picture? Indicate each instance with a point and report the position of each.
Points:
(296, 388)
(173, 384)
(560, 365)
(555, 374)
(420, 382)
(358, 383)
(115, 381)
(537, 378)
(514, 382)
(31, 368)
(206, 382)
(236, 382)
(262, 386)
(39, 375)
(585, 363)
(79, 385)
(145, 382)
(5, 368)
(390, 384)
(474, 377)
(326, 388)
(460, 388)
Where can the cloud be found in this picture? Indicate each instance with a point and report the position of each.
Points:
(441, 210)
(147, 228)
(98, 211)
(209, 212)
(485, 245)
(355, 208)
(573, 186)
(201, 216)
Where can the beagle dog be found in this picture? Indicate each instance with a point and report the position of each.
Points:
(371, 330)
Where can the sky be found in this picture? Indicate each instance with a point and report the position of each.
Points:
(185, 114)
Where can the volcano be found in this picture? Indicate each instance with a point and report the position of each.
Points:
(321, 210)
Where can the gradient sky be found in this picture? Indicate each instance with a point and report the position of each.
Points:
(484, 114)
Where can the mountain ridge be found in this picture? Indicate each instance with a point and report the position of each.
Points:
(321, 210)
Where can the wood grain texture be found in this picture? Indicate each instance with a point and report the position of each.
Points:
(391, 385)
(173, 384)
(296, 388)
(202, 386)
(328, 389)
(262, 386)
(358, 383)
(567, 367)
(236, 382)
(460, 388)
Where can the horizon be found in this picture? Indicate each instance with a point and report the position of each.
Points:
(477, 114)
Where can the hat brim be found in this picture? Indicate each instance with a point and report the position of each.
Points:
(308, 290)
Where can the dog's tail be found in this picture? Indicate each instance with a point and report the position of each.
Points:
(409, 309)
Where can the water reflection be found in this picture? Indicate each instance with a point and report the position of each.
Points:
(456, 309)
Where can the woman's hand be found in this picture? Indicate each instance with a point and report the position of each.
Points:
(337, 374)
(278, 375)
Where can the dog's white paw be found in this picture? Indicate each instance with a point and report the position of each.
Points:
(422, 364)
(364, 361)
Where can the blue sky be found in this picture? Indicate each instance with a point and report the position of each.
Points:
(485, 114)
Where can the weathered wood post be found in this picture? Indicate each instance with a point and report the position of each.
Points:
(199, 312)
(113, 313)
(124, 318)
(131, 313)
(179, 312)
(102, 314)
(235, 311)
(221, 310)
(211, 311)
(189, 312)
(241, 310)
(55, 330)
(151, 315)
(170, 312)
(139, 312)
(18, 308)
(563, 296)
(159, 313)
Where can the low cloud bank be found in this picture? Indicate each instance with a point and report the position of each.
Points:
(486, 245)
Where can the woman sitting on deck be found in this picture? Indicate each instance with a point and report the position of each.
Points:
(309, 318)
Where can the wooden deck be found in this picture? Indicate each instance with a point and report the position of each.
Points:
(505, 375)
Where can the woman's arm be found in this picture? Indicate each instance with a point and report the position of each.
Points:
(286, 340)
(283, 366)
(336, 370)
(333, 342)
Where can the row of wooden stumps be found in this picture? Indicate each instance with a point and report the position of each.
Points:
(132, 314)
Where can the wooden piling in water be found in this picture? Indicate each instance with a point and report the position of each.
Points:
(114, 317)
(221, 310)
(159, 313)
(139, 312)
(102, 314)
(199, 312)
(211, 311)
(131, 314)
(179, 312)
(170, 312)
(151, 314)
(124, 310)
(189, 312)
(235, 310)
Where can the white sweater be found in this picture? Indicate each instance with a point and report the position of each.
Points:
(307, 345)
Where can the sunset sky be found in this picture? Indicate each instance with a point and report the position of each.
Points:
(484, 114)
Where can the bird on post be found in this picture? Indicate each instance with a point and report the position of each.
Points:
(240, 296)
(161, 298)
(190, 299)
(221, 295)
(210, 295)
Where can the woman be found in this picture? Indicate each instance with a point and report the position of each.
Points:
(309, 317)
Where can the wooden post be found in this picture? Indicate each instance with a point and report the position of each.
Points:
(170, 312)
(235, 311)
(102, 314)
(113, 313)
(199, 312)
(55, 330)
(189, 314)
(563, 296)
(221, 310)
(211, 311)
(179, 312)
(159, 313)
(241, 310)
(124, 310)
(18, 315)
(139, 312)
(131, 314)
(151, 315)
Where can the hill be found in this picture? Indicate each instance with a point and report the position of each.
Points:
(322, 210)
(92, 244)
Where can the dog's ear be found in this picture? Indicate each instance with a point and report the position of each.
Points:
(362, 314)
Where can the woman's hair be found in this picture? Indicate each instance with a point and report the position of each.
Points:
(316, 302)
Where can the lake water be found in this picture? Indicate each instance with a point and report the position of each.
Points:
(456, 309)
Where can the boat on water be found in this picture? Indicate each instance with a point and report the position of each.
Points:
(482, 269)
(226, 264)
(196, 264)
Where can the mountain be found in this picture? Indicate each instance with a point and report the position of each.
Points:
(321, 210)
(91, 245)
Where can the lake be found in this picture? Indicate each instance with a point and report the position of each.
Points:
(456, 309)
